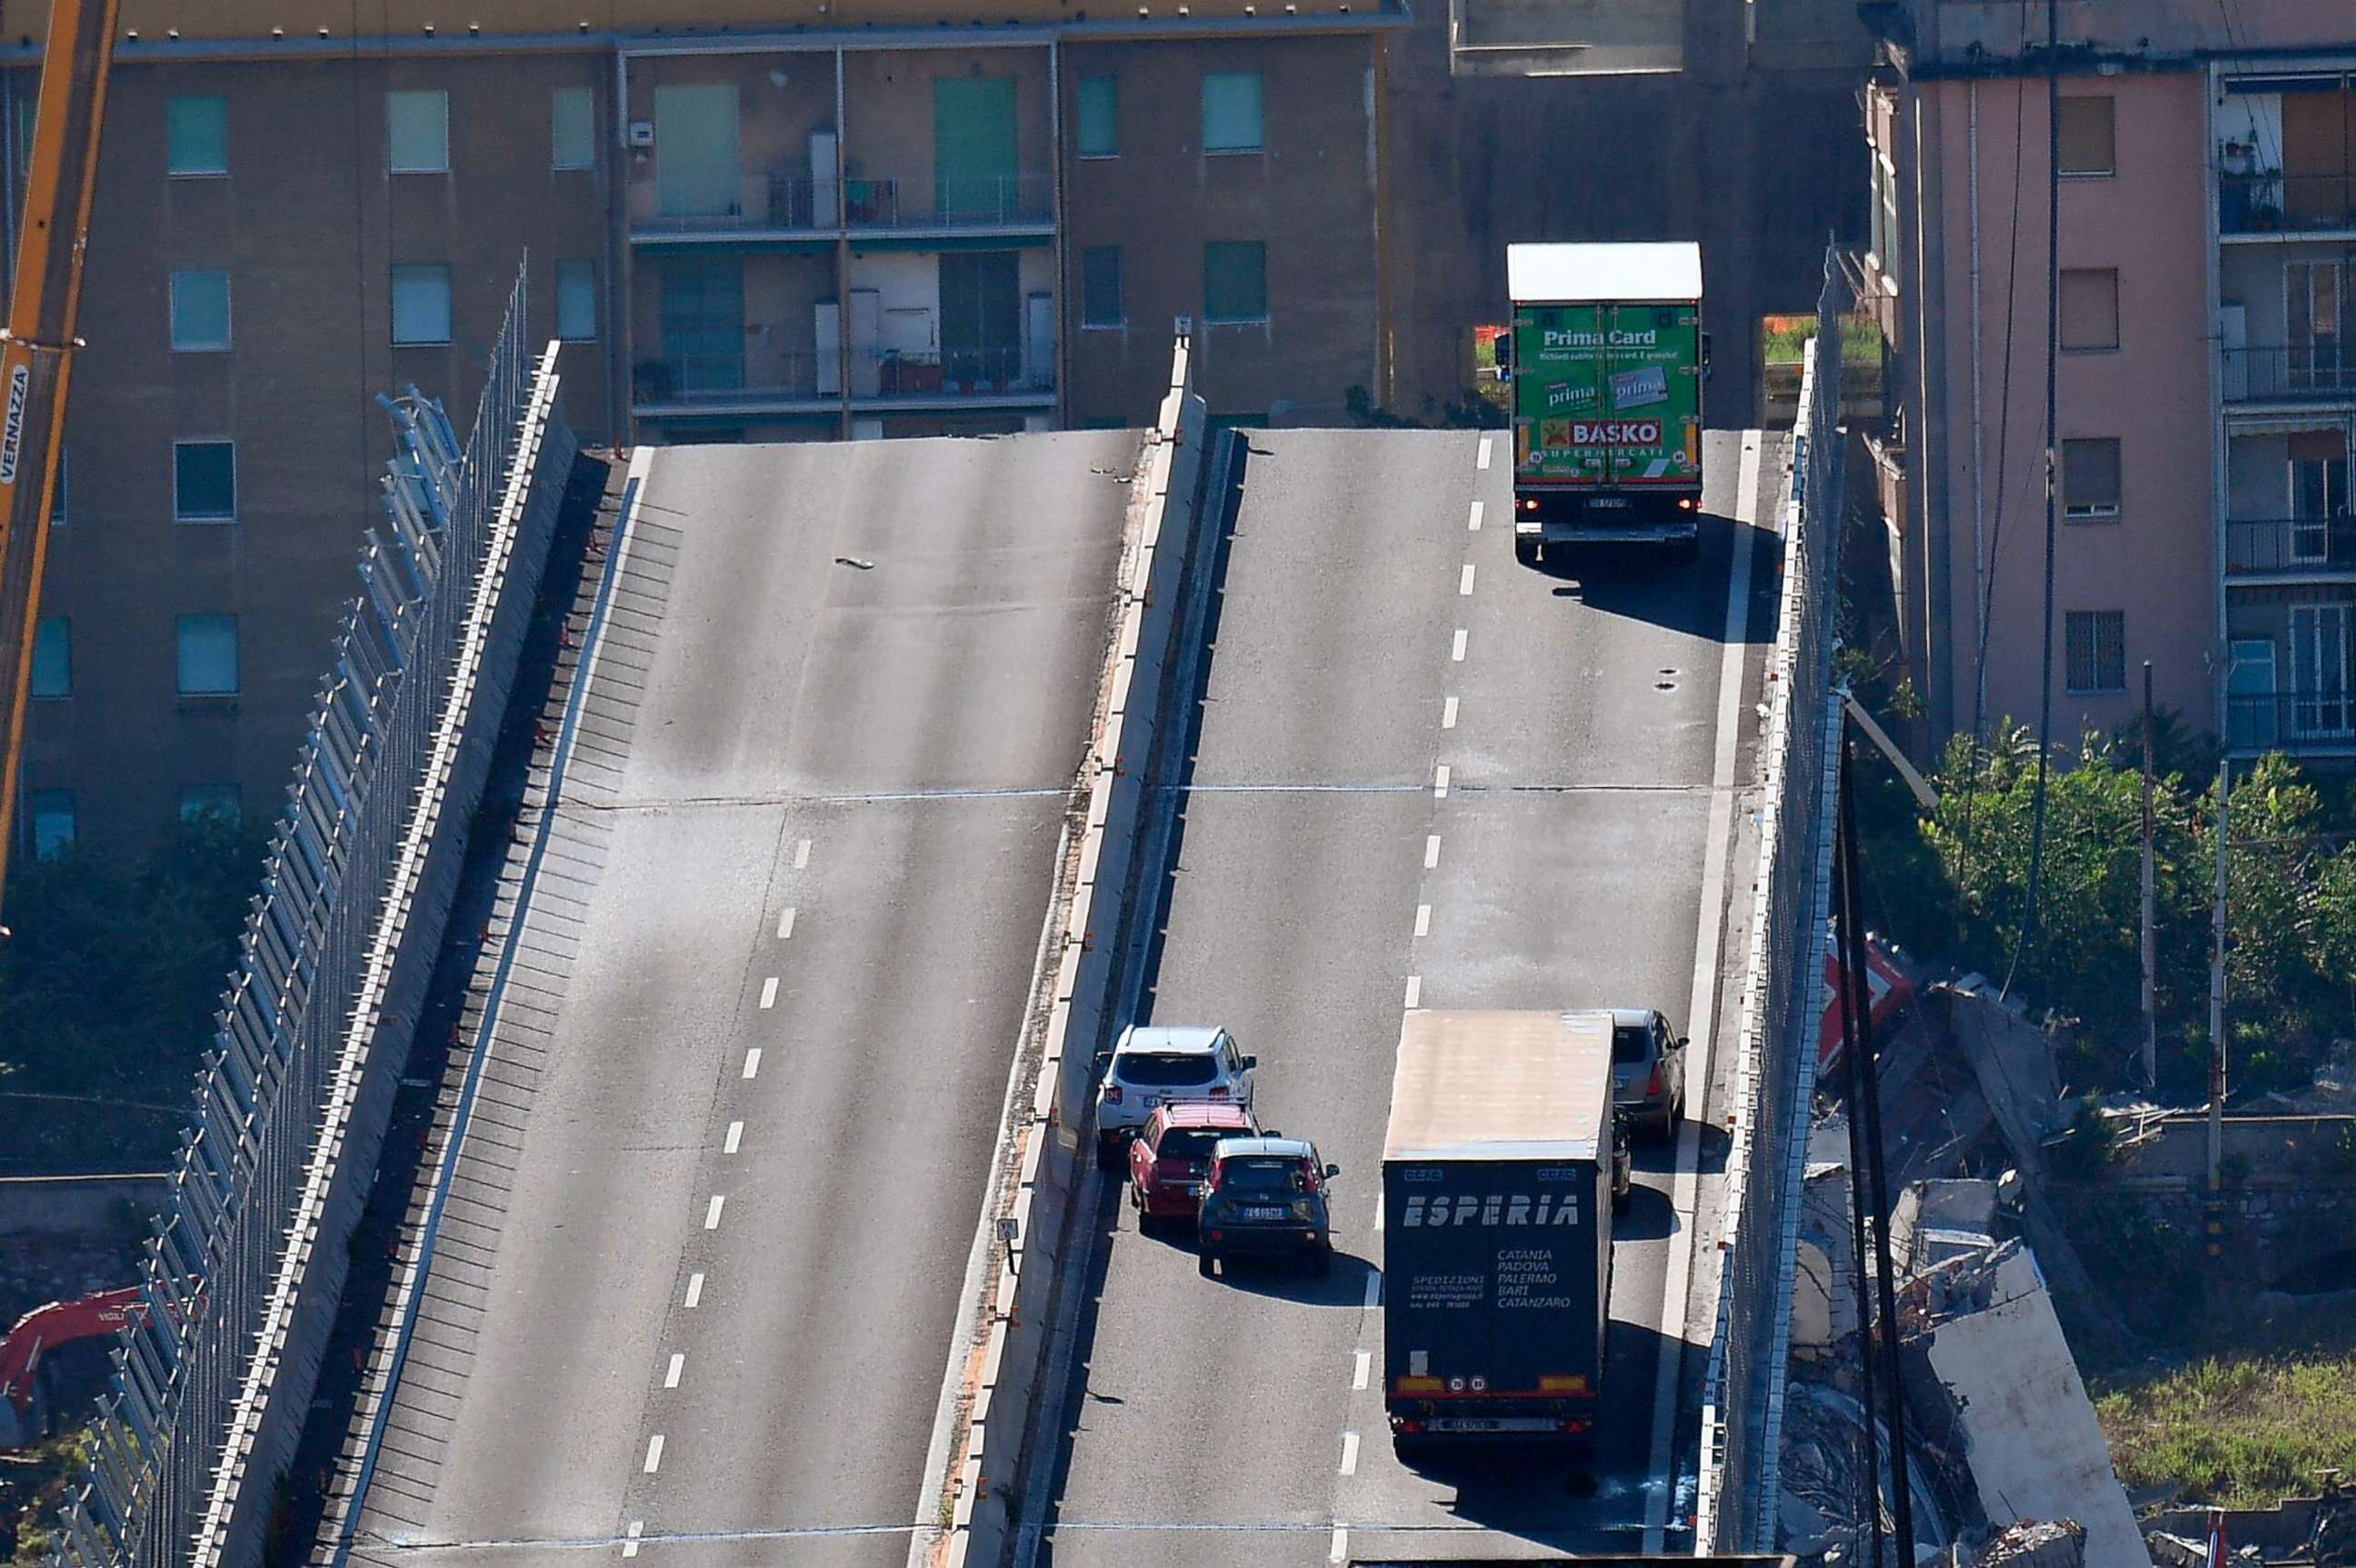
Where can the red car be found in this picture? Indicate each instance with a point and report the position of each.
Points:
(1169, 1156)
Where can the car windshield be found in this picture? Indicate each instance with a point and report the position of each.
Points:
(1261, 1173)
(1188, 1142)
(1630, 1043)
(1157, 1070)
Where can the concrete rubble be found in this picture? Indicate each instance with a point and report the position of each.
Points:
(2037, 1543)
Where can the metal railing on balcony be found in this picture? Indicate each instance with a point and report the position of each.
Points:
(1017, 200)
(2321, 368)
(779, 201)
(725, 378)
(2292, 720)
(2291, 544)
(959, 372)
(2280, 203)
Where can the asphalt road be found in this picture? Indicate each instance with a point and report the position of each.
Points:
(1325, 878)
(731, 1241)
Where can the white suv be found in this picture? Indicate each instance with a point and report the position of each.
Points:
(1147, 1068)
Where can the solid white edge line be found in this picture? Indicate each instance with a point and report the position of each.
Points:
(1448, 714)
(1456, 651)
(694, 1292)
(1701, 1019)
(751, 1060)
(786, 924)
(1365, 1361)
(1349, 1454)
(654, 1454)
(671, 1373)
(712, 1211)
(768, 994)
(735, 1137)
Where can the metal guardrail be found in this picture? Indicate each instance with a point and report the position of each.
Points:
(1782, 999)
(214, 1371)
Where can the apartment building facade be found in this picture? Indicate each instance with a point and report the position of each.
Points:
(775, 220)
(2207, 221)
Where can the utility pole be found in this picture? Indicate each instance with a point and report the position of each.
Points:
(2217, 990)
(2150, 900)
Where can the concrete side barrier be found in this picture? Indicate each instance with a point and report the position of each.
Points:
(1047, 1156)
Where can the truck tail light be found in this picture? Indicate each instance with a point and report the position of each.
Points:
(1685, 503)
(1528, 503)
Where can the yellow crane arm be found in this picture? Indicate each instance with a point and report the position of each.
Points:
(38, 350)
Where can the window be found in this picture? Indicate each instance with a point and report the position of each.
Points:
(572, 128)
(53, 657)
(1235, 280)
(196, 135)
(204, 481)
(2090, 478)
(1231, 118)
(199, 312)
(52, 821)
(576, 301)
(225, 802)
(417, 126)
(2097, 650)
(421, 304)
(1099, 117)
(1100, 301)
(2089, 137)
(1885, 215)
(2090, 308)
(209, 656)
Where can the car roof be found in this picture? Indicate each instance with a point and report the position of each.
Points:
(1204, 1113)
(1196, 1038)
(1288, 1149)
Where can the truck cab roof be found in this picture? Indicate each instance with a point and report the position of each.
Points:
(1578, 275)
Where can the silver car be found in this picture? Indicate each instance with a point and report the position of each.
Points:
(1648, 1070)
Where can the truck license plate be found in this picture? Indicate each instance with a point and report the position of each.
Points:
(1490, 1423)
(1610, 503)
(1263, 1212)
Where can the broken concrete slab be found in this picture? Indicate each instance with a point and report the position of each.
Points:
(2037, 1543)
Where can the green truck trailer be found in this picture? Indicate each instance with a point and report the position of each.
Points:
(1607, 363)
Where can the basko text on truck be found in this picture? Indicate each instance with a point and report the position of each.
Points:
(1606, 359)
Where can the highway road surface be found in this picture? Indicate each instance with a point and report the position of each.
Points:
(697, 1287)
(1425, 775)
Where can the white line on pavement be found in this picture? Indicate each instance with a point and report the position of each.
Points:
(671, 1373)
(1341, 1547)
(1431, 852)
(1701, 1008)
(735, 1136)
(802, 855)
(752, 1061)
(1423, 920)
(1464, 580)
(1363, 1362)
(694, 1291)
(630, 1546)
(1472, 525)
(1439, 782)
(1483, 461)
(1414, 992)
(1448, 714)
(1374, 1290)
(1378, 1213)
(1349, 1454)
(711, 1214)
(1456, 651)
(654, 1454)
(768, 994)
(786, 924)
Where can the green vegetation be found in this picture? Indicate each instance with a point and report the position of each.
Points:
(1781, 338)
(107, 993)
(1954, 882)
(33, 1489)
(2242, 1431)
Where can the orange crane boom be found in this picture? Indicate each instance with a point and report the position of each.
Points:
(38, 353)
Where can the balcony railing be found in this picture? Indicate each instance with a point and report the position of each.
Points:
(2277, 203)
(1019, 201)
(2291, 544)
(780, 200)
(2320, 369)
(959, 372)
(2289, 720)
(725, 378)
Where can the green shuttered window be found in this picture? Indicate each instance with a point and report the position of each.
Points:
(1231, 113)
(1235, 280)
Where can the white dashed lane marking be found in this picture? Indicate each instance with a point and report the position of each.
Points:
(1365, 1360)
(630, 1545)
(1448, 714)
(1439, 782)
(1414, 992)
(711, 1212)
(1483, 461)
(1464, 581)
(768, 994)
(1423, 920)
(671, 1373)
(1456, 651)
(694, 1291)
(1473, 524)
(802, 855)
(1349, 1454)
(752, 1061)
(786, 924)
(1431, 852)
(654, 1454)
(735, 1136)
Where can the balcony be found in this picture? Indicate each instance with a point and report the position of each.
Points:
(778, 205)
(2317, 721)
(1006, 204)
(2291, 547)
(772, 380)
(980, 377)
(2321, 370)
(681, 385)
(2277, 204)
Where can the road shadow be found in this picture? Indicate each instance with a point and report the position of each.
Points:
(1288, 1279)
(1648, 1217)
(1651, 585)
